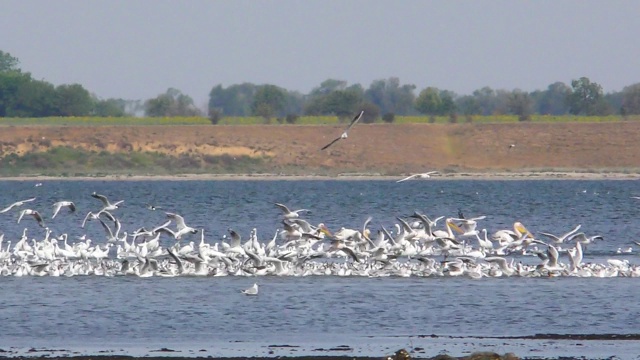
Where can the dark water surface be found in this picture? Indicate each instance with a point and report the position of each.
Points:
(370, 315)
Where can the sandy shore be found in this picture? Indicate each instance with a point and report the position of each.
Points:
(555, 175)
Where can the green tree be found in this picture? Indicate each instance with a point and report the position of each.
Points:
(631, 99)
(10, 83)
(73, 100)
(391, 97)
(429, 102)
(236, 100)
(268, 101)
(521, 104)
(8, 62)
(35, 98)
(552, 101)
(586, 98)
(110, 107)
(172, 103)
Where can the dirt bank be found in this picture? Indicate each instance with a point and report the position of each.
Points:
(385, 149)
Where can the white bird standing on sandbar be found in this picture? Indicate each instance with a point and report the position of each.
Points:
(345, 133)
(252, 290)
(418, 176)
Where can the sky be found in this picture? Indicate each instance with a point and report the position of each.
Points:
(138, 49)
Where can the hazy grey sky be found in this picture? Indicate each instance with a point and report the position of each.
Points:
(137, 49)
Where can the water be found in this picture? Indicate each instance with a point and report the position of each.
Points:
(373, 316)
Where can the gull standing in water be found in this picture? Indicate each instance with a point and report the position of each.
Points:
(17, 203)
(252, 290)
(418, 176)
(345, 133)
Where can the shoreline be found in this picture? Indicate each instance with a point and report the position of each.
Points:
(516, 175)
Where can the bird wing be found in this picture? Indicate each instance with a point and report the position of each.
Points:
(21, 215)
(283, 207)
(102, 198)
(58, 206)
(38, 218)
(354, 121)
(407, 178)
(331, 143)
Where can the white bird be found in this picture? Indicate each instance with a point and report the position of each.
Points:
(181, 227)
(418, 176)
(17, 203)
(252, 290)
(288, 214)
(57, 206)
(345, 133)
(35, 214)
(107, 205)
(560, 239)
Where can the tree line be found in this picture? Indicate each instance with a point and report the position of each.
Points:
(23, 96)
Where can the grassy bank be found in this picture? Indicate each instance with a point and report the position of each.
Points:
(68, 161)
(302, 120)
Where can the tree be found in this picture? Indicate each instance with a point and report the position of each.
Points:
(429, 101)
(8, 62)
(371, 112)
(390, 97)
(73, 100)
(236, 100)
(35, 98)
(110, 107)
(586, 98)
(268, 101)
(521, 104)
(10, 83)
(172, 103)
(553, 101)
(631, 99)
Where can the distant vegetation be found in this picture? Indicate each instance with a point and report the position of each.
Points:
(67, 161)
(23, 97)
(302, 120)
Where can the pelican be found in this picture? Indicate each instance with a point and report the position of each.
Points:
(252, 290)
(17, 203)
(418, 176)
(345, 133)
(60, 204)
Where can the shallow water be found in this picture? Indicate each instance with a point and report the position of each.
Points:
(371, 315)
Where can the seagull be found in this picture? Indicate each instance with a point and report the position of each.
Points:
(511, 146)
(35, 214)
(288, 214)
(60, 204)
(153, 207)
(181, 227)
(418, 176)
(252, 290)
(344, 134)
(17, 203)
(107, 205)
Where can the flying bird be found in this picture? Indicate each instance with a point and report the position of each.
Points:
(60, 204)
(418, 176)
(17, 203)
(35, 214)
(345, 133)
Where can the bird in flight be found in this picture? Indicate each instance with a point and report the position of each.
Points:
(345, 133)
(418, 176)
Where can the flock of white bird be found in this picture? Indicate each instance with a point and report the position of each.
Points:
(416, 246)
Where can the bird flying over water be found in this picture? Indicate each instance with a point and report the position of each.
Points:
(345, 133)
(418, 176)
(17, 203)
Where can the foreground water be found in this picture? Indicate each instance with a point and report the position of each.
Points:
(319, 314)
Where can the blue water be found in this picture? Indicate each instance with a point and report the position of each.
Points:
(209, 316)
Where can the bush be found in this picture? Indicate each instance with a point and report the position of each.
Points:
(291, 118)
(388, 117)
(215, 115)
(453, 118)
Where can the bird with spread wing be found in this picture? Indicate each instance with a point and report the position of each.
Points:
(346, 131)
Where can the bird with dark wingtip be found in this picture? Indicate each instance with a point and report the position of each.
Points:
(345, 133)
